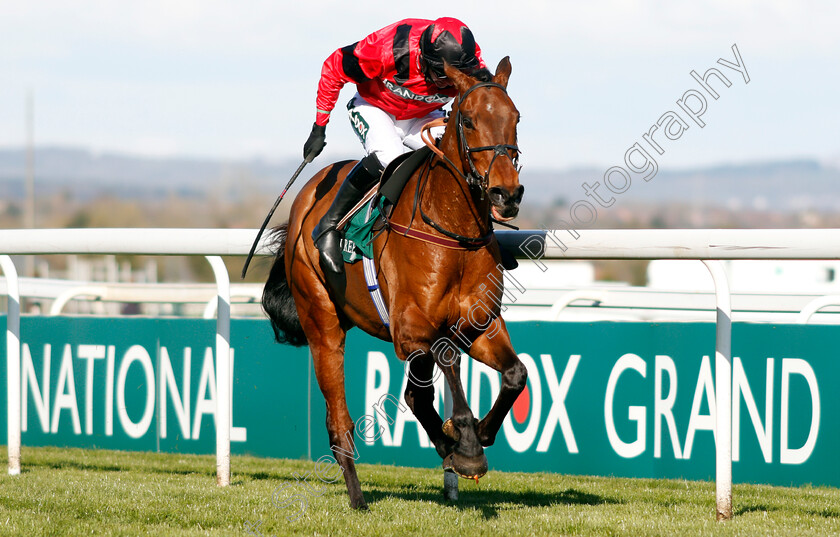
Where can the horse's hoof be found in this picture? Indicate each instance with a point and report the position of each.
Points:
(361, 505)
(450, 430)
(466, 467)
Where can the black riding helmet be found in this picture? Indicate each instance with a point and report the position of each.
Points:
(449, 39)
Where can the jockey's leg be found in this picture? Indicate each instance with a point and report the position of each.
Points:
(413, 128)
(381, 133)
(327, 238)
(382, 142)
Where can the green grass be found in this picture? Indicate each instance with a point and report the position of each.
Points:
(71, 492)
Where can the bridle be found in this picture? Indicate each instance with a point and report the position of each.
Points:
(473, 178)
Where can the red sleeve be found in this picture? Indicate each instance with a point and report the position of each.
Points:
(329, 86)
(356, 63)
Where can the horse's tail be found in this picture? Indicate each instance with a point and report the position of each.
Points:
(277, 300)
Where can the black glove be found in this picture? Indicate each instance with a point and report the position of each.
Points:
(315, 143)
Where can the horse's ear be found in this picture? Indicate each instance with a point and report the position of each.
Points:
(462, 81)
(502, 72)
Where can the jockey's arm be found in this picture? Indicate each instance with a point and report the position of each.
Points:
(357, 63)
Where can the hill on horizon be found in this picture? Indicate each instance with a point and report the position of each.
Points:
(785, 185)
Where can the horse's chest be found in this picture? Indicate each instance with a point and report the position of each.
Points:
(447, 287)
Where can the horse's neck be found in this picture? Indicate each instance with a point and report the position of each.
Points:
(446, 199)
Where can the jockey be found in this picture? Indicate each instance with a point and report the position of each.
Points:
(401, 85)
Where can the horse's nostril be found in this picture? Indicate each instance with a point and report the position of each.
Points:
(497, 195)
(517, 194)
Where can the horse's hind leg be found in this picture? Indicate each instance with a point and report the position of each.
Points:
(328, 359)
(498, 353)
(420, 397)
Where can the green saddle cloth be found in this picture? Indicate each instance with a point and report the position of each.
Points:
(356, 242)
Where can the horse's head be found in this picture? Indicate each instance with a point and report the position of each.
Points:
(485, 121)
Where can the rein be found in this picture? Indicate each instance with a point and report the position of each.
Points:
(450, 240)
(463, 242)
(473, 177)
(453, 244)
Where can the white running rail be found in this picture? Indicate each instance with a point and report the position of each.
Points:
(210, 243)
(702, 244)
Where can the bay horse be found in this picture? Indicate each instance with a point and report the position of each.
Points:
(440, 273)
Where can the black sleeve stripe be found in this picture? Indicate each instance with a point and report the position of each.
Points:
(401, 53)
(350, 64)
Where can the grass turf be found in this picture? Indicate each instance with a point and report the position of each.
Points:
(72, 492)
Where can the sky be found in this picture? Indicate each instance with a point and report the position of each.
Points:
(237, 80)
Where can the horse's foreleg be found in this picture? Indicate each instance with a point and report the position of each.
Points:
(468, 458)
(497, 352)
(420, 396)
(328, 359)
(412, 342)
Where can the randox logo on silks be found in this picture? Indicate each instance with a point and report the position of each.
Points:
(359, 125)
(406, 93)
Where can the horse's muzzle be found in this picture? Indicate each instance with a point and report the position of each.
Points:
(505, 203)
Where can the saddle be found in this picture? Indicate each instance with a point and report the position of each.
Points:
(397, 174)
(362, 224)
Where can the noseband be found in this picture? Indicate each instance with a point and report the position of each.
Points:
(473, 177)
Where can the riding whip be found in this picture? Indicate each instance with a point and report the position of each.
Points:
(270, 214)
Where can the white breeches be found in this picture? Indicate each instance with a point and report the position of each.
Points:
(381, 133)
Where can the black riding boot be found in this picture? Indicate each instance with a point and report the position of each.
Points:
(327, 238)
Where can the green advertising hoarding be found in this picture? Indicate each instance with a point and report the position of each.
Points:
(624, 399)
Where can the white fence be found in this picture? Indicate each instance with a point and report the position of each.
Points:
(707, 245)
(210, 243)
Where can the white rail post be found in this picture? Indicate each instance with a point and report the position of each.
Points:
(450, 478)
(723, 391)
(12, 363)
(816, 305)
(223, 383)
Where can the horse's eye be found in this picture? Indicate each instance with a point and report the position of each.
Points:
(468, 124)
